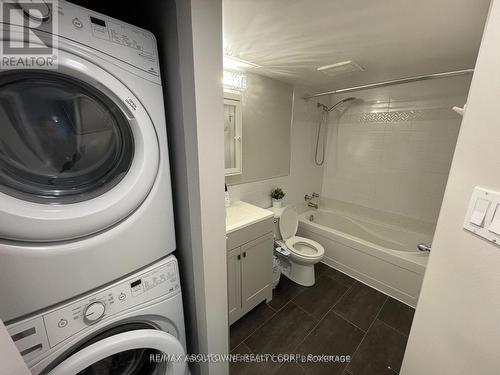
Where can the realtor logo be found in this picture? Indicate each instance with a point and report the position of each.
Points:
(28, 32)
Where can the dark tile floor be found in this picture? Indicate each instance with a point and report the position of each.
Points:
(336, 316)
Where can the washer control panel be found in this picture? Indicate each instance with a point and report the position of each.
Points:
(158, 281)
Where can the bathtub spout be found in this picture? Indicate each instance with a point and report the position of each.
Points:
(423, 247)
(313, 205)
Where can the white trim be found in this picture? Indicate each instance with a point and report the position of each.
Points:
(144, 338)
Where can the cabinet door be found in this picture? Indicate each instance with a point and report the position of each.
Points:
(234, 284)
(256, 270)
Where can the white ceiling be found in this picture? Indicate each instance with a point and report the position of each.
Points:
(388, 38)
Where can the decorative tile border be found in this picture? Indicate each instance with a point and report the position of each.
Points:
(400, 116)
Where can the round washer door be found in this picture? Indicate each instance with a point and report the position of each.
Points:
(78, 151)
(140, 352)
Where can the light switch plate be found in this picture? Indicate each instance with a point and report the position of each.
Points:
(483, 217)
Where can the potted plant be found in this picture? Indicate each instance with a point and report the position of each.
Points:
(277, 195)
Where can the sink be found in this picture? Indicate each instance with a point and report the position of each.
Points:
(241, 214)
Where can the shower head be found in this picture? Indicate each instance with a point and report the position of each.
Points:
(336, 105)
(322, 106)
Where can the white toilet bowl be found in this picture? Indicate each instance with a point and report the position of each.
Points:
(304, 253)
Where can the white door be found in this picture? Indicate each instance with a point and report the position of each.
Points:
(139, 352)
(78, 151)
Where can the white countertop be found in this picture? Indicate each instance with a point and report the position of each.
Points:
(241, 214)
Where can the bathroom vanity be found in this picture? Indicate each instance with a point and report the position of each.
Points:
(249, 245)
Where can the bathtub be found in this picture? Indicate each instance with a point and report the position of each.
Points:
(383, 256)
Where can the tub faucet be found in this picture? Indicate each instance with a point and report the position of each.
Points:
(424, 247)
(313, 205)
(308, 197)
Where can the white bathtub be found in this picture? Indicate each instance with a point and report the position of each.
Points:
(384, 256)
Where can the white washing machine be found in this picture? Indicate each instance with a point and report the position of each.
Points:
(85, 195)
(134, 326)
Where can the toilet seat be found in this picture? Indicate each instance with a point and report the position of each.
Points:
(299, 246)
(305, 247)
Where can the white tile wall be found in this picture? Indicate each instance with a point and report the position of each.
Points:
(305, 177)
(399, 167)
(396, 166)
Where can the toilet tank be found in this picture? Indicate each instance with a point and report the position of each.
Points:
(277, 234)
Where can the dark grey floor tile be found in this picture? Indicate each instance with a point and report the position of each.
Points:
(397, 315)
(360, 305)
(245, 368)
(347, 372)
(291, 368)
(381, 351)
(320, 297)
(333, 336)
(241, 329)
(281, 334)
(319, 269)
(340, 277)
(284, 292)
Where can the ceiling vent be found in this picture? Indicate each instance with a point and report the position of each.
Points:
(339, 68)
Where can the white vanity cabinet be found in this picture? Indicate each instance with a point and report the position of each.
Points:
(249, 266)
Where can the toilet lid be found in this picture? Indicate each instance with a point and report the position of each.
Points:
(289, 222)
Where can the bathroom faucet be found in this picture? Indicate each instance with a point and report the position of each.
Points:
(308, 197)
(423, 247)
(313, 205)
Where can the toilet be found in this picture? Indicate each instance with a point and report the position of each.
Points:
(304, 253)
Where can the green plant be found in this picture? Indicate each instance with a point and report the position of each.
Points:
(277, 193)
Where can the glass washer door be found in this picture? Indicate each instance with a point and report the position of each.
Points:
(61, 140)
(138, 352)
(78, 151)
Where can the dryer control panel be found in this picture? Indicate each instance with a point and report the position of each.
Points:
(133, 46)
(123, 41)
(35, 335)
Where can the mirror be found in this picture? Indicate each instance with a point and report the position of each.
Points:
(264, 108)
(232, 133)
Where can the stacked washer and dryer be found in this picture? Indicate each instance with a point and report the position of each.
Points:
(87, 284)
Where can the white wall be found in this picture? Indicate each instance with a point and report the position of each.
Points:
(206, 18)
(391, 149)
(305, 177)
(456, 329)
(189, 35)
